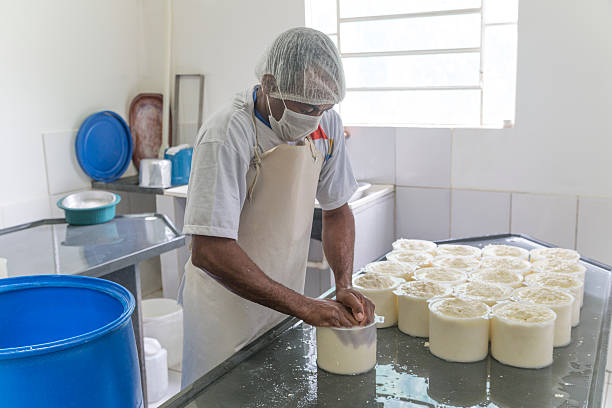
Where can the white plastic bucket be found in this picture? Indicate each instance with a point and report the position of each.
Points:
(156, 365)
(163, 320)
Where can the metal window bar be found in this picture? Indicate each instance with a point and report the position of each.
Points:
(414, 88)
(408, 15)
(409, 52)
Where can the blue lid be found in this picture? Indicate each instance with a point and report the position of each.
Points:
(104, 146)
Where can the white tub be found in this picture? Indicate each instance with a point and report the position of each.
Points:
(505, 250)
(489, 293)
(559, 281)
(379, 289)
(458, 250)
(417, 259)
(559, 254)
(498, 276)
(509, 263)
(415, 245)
(413, 305)
(396, 269)
(467, 264)
(443, 276)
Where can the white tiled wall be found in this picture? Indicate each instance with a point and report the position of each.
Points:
(63, 171)
(373, 150)
(423, 157)
(475, 213)
(422, 213)
(594, 238)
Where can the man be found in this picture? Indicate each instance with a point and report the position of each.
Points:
(257, 168)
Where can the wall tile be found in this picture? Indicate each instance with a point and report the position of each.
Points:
(550, 218)
(142, 203)
(423, 157)
(422, 213)
(32, 210)
(595, 228)
(63, 171)
(475, 213)
(372, 154)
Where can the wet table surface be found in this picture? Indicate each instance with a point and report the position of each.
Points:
(284, 373)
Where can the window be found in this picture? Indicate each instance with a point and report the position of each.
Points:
(424, 62)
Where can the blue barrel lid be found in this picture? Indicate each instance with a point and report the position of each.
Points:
(68, 281)
(104, 146)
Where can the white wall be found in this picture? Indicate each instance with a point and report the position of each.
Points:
(61, 61)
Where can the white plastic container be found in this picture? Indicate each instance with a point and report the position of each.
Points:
(559, 254)
(443, 276)
(505, 250)
(559, 301)
(415, 245)
(379, 289)
(559, 281)
(459, 329)
(506, 262)
(467, 264)
(417, 259)
(489, 293)
(163, 320)
(458, 250)
(498, 276)
(413, 306)
(156, 367)
(522, 334)
(347, 351)
(562, 267)
(396, 269)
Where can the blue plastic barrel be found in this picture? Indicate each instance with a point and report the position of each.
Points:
(67, 341)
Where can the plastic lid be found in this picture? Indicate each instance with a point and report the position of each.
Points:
(104, 146)
(151, 346)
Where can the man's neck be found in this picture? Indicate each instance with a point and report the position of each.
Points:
(260, 104)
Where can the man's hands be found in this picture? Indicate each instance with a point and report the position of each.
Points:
(327, 313)
(361, 307)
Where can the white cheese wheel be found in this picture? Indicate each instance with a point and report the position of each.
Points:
(379, 289)
(499, 276)
(559, 301)
(459, 329)
(562, 267)
(417, 259)
(391, 268)
(522, 334)
(560, 254)
(415, 245)
(506, 262)
(413, 306)
(346, 351)
(467, 264)
(560, 281)
(458, 250)
(489, 293)
(505, 250)
(443, 276)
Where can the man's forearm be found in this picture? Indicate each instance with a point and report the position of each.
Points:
(227, 263)
(339, 243)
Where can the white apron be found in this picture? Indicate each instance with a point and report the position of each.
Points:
(274, 231)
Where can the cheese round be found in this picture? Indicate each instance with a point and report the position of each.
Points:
(506, 262)
(522, 334)
(505, 250)
(459, 329)
(415, 245)
(561, 281)
(489, 293)
(559, 301)
(415, 258)
(499, 276)
(458, 250)
(562, 267)
(560, 254)
(413, 306)
(379, 289)
(346, 351)
(391, 268)
(443, 276)
(467, 264)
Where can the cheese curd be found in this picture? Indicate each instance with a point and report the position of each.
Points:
(505, 250)
(489, 293)
(379, 289)
(415, 258)
(522, 334)
(458, 250)
(560, 281)
(560, 254)
(415, 245)
(506, 262)
(413, 305)
(559, 301)
(467, 264)
(443, 276)
(391, 268)
(346, 351)
(499, 276)
(562, 267)
(459, 329)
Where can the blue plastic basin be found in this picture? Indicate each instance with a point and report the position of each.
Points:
(67, 341)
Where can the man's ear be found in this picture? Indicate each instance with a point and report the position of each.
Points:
(268, 84)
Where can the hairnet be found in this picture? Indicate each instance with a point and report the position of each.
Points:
(306, 66)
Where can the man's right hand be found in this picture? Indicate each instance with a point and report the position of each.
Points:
(327, 313)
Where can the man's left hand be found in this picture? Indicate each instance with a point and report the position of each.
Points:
(361, 306)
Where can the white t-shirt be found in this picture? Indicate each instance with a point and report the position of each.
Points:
(223, 153)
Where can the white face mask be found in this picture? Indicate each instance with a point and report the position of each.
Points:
(292, 126)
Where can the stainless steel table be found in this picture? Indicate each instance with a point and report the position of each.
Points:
(110, 251)
(279, 369)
